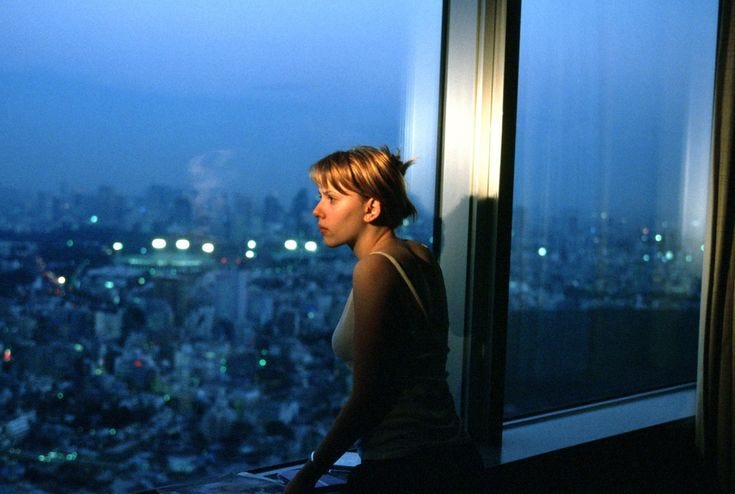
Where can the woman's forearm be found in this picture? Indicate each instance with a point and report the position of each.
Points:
(358, 415)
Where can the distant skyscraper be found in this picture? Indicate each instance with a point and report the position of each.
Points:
(231, 295)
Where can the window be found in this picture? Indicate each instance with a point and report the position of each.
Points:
(165, 302)
(611, 168)
(525, 84)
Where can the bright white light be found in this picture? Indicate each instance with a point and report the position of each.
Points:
(117, 246)
(208, 247)
(93, 219)
(658, 237)
(669, 255)
(542, 251)
(249, 254)
(61, 280)
(290, 244)
(182, 244)
(310, 246)
(252, 244)
(158, 243)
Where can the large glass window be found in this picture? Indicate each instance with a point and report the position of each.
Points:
(166, 305)
(613, 133)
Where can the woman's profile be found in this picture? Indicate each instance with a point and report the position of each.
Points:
(393, 335)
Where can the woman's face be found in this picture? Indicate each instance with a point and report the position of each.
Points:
(341, 216)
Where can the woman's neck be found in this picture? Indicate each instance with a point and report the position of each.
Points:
(373, 239)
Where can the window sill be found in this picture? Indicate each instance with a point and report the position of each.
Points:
(524, 438)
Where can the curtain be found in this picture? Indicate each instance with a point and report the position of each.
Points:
(716, 376)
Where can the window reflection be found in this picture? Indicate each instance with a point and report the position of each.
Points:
(609, 200)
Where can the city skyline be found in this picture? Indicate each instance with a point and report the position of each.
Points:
(202, 95)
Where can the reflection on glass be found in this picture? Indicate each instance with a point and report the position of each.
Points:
(609, 201)
(166, 304)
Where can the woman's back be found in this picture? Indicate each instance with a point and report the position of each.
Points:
(422, 412)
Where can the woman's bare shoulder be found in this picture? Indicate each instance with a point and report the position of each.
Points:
(419, 250)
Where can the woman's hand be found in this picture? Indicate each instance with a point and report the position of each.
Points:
(304, 481)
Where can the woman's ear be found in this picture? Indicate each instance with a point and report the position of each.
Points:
(372, 210)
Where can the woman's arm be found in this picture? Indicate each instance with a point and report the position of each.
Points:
(374, 284)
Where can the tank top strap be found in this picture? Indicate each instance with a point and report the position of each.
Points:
(406, 279)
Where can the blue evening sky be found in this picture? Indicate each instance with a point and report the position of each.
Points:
(246, 94)
(242, 94)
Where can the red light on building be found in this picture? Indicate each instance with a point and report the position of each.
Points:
(7, 355)
(137, 363)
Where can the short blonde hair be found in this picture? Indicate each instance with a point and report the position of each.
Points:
(371, 173)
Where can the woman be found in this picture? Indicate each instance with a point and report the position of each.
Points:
(393, 335)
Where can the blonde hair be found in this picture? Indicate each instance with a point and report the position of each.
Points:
(371, 173)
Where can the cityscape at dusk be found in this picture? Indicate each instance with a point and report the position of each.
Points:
(166, 301)
(128, 363)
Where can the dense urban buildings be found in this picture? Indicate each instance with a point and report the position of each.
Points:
(152, 339)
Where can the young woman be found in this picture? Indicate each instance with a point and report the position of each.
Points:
(393, 335)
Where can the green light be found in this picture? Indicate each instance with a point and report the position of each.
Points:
(262, 362)
(78, 347)
(167, 397)
(112, 431)
(70, 243)
(60, 395)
